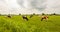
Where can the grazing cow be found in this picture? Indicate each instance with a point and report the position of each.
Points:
(9, 16)
(24, 17)
(31, 16)
(44, 17)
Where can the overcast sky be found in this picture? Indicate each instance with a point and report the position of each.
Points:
(29, 6)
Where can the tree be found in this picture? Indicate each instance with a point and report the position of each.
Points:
(33, 13)
(19, 14)
(43, 14)
(54, 13)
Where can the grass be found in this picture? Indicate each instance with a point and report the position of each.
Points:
(17, 24)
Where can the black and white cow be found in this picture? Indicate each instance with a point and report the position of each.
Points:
(9, 16)
(25, 17)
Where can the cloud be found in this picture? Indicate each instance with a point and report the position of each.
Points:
(53, 6)
(31, 6)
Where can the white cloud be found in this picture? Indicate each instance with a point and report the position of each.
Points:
(53, 6)
(21, 6)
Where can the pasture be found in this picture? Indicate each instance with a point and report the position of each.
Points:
(34, 24)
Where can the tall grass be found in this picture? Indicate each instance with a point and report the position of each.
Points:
(17, 24)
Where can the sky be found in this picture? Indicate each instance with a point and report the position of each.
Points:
(29, 6)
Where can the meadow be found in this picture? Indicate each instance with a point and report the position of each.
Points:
(34, 24)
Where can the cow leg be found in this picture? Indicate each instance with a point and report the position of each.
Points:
(41, 19)
(27, 19)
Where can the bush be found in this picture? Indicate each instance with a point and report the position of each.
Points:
(43, 14)
(54, 13)
(19, 14)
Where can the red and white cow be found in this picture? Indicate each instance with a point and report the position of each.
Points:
(44, 18)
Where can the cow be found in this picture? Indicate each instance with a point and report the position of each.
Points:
(9, 16)
(31, 16)
(24, 17)
(44, 17)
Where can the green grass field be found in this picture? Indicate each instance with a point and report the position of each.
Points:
(17, 24)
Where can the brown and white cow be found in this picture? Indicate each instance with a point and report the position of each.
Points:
(44, 18)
